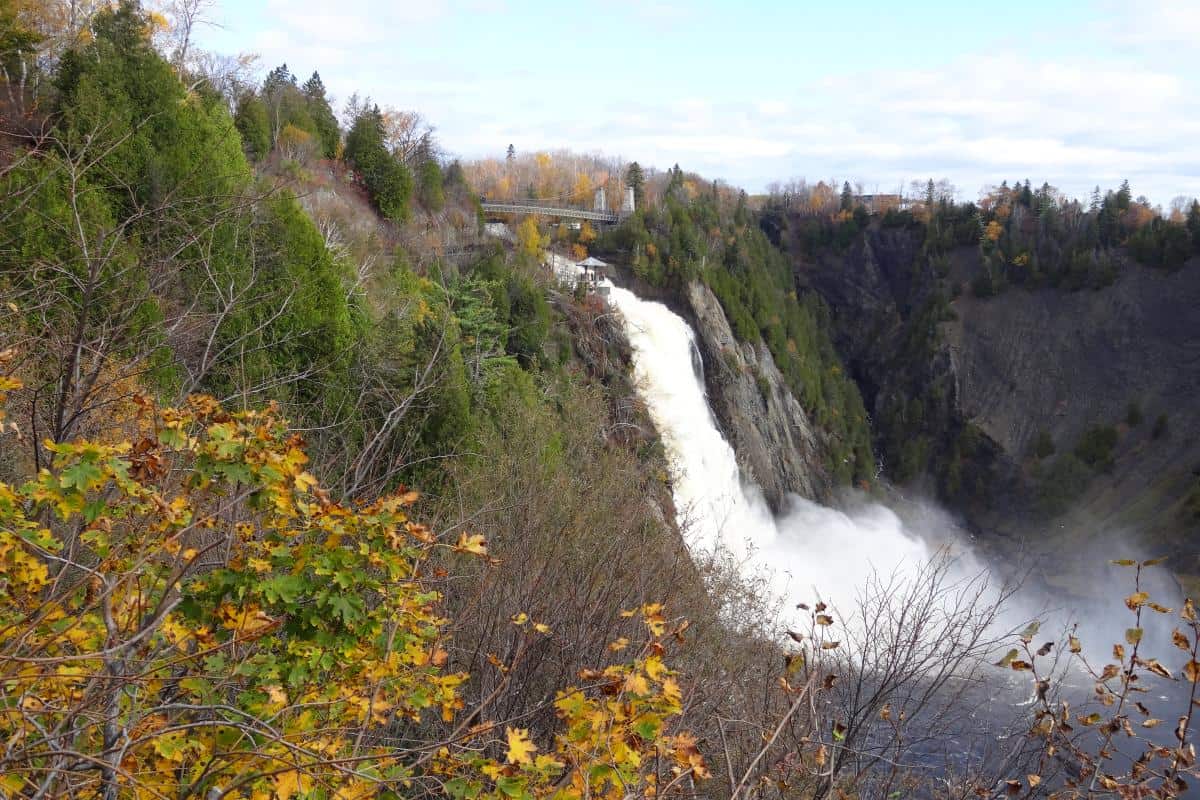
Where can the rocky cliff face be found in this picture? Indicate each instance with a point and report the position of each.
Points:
(1047, 362)
(776, 443)
(961, 388)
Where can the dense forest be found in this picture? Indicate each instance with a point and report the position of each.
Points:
(310, 488)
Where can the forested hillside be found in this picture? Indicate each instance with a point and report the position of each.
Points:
(235, 333)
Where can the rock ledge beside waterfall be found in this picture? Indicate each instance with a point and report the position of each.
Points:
(776, 443)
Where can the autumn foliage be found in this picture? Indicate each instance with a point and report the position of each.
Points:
(192, 615)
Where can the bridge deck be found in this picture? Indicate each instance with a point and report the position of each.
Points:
(518, 207)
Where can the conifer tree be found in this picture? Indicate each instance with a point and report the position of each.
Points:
(322, 115)
(254, 125)
(636, 180)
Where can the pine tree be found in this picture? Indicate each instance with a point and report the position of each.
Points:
(278, 78)
(322, 115)
(387, 180)
(431, 186)
(675, 184)
(1124, 196)
(847, 197)
(511, 156)
(254, 125)
(636, 180)
(281, 96)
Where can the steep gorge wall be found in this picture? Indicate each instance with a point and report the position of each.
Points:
(978, 382)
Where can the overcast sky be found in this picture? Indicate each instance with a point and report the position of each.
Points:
(1074, 92)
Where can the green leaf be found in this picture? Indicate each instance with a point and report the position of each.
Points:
(511, 786)
(93, 510)
(172, 437)
(82, 476)
(647, 728)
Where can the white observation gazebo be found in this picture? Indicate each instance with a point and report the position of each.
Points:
(592, 267)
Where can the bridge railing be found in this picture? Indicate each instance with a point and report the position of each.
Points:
(542, 207)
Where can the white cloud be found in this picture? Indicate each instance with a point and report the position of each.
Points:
(1125, 109)
(1152, 22)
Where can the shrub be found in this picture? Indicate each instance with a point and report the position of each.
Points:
(1043, 446)
(764, 387)
(222, 625)
(1062, 483)
(1095, 447)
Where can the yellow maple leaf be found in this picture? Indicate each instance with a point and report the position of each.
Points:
(472, 543)
(652, 614)
(520, 748)
(305, 481)
(277, 696)
(637, 683)
(291, 783)
(670, 689)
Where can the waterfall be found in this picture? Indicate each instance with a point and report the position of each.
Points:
(810, 552)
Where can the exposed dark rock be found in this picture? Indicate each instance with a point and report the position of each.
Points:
(960, 389)
(776, 442)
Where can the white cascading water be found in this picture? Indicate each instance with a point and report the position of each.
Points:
(809, 553)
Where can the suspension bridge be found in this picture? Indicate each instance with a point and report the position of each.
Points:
(599, 211)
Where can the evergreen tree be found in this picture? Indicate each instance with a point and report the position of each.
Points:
(254, 125)
(1124, 196)
(675, 183)
(847, 197)
(285, 103)
(741, 216)
(1095, 204)
(322, 115)
(511, 155)
(388, 182)
(431, 187)
(1193, 223)
(636, 180)
(456, 177)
